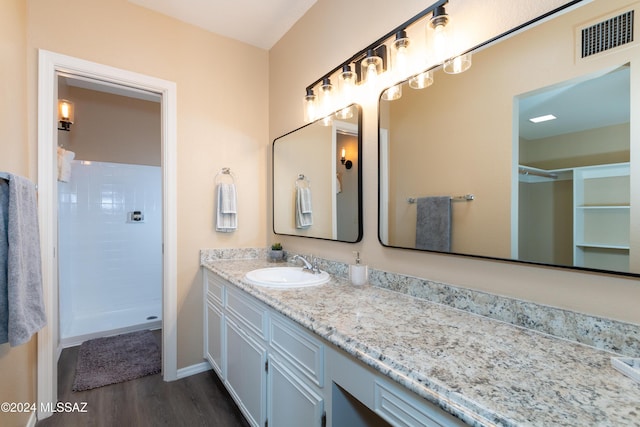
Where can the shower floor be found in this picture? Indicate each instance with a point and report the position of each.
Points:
(111, 323)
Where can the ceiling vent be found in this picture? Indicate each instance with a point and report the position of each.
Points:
(606, 35)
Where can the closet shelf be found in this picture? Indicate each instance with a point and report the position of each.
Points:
(596, 207)
(603, 246)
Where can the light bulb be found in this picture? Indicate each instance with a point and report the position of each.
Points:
(421, 80)
(393, 93)
(345, 113)
(439, 22)
(372, 65)
(347, 84)
(372, 73)
(310, 112)
(458, 64)
(326, 91)
(401, 48)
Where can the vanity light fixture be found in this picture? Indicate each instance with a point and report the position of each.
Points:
(343, 159)
(392, 93)
(326, 91)
(310, 107)
(348, 81)
(541, 119)
(458, 64)
(363, 68)
(373, 64)
(401, 54)
(345, 113)
(422, 80)
(439, 21)
(65, 114)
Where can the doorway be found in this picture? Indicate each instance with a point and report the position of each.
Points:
(50, 65)
(109, 264)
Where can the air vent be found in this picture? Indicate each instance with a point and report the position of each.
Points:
(608, 34)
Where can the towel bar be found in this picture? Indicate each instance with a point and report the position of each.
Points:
(465, 198)
(225, 172)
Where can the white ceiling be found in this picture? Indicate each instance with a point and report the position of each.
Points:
(259, 23)
(587, 104)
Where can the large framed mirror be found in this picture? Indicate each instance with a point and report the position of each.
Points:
(317, 179)
(464, 170)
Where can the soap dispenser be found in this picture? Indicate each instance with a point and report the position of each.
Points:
(358, 273)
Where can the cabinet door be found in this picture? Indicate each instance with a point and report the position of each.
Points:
(292, 403)
(246, 373)
(214, 345)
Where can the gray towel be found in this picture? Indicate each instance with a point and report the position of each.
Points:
(433, 224)
(22, 311)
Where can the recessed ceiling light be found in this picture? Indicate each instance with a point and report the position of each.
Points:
(544, 118)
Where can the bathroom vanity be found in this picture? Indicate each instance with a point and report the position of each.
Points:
(338, 355)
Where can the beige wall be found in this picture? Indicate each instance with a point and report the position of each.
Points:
(112, 128)
(216, 78)
(17, 365)
(295, 63)
(305, 152)
(578, 148)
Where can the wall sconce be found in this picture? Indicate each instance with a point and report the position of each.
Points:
(343, 159)
(65, 114)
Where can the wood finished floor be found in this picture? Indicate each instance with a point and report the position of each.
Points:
(198, 400)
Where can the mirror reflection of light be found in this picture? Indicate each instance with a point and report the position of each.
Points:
(541, 119)
(393, 93)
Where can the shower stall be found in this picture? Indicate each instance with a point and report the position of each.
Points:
(110, 250)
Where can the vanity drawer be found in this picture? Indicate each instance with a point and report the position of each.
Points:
(299, 348)
(215, 288)
(247, 311)
(403, 409)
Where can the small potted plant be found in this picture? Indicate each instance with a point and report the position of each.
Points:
(276, 253)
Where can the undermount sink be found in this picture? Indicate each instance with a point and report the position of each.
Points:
(286, 277)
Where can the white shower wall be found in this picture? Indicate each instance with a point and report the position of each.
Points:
(110, 269)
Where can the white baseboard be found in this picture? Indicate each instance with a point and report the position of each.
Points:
(193, 369)
(79, 339)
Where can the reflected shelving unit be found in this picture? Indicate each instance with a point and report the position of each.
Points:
(602, 217)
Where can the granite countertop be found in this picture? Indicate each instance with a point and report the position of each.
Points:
(484, 371)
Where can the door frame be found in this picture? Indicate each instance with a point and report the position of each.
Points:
(50, 64)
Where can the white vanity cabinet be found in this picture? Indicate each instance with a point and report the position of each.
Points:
(296, 376)
(270, 366)
(214, 289)
(282, 375)
(246, 355)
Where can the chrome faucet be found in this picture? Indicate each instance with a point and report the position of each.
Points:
(308, 266)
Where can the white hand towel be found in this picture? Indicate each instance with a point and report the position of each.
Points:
(64, 164)
(305, 200)
(303, 197)
(226, 211)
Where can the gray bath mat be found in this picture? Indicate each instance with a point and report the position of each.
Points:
(111, 360)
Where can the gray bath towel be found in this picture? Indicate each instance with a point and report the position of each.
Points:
(22, 311)
(433, 224)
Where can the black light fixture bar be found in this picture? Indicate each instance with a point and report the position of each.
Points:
(377, 45)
